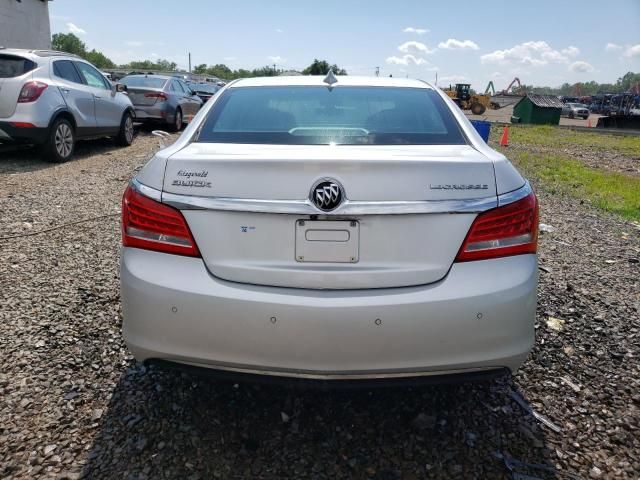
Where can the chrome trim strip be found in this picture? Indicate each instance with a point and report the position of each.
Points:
(515, 195)
(150, 192)
(347, 375)
(305, 207)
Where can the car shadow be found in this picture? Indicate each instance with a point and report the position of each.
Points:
(27, 158)
(165, 424)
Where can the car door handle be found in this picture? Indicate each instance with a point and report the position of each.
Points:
(97, 96)
(65, 90)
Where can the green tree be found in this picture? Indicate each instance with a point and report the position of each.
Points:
(99, 59)
(322, 67)
(200, 69)
(220, 70)
(68, 42)
(148, 65)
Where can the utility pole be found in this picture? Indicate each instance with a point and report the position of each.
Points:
(189, 62)
(377, 71)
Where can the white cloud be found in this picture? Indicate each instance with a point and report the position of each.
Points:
(571, 51)
(496, 75)
(414, 47)
(612, 47)
(581, 67)
(276, 59)
(632, 51)
(453, 44)
(453, 79)
(154, 55)
(406, 60)
(73, 28)
(417, 31)
(279, 30)
(535, 54)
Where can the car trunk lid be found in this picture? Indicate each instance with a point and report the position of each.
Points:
(396, 228)
(144, 96)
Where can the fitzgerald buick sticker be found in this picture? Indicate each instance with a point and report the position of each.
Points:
(196, 179)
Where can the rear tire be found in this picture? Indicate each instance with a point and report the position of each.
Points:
(176, 126)
(125, 134)
(60, 143)
(478, 109)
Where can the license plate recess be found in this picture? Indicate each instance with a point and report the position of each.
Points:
(327, 241)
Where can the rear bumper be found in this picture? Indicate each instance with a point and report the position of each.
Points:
(12, 134)
(479, 318)
(153, 113)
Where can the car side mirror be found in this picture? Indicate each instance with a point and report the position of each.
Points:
(121, 88)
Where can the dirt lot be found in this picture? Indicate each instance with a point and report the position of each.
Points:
(74, 403)
(503, 115)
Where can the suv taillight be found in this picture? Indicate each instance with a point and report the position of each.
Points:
(31, 91)
(152, 225)
(508, 230)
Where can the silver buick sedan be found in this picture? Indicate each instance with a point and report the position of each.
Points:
(338, 229)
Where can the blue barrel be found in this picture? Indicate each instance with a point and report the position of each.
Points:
(483, 128)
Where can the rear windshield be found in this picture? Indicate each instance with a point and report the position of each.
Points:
(148, 82)
(321, 116)
(204, 87)
(12, 66)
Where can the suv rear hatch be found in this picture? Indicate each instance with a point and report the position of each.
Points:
(372, 250)
(14, 72)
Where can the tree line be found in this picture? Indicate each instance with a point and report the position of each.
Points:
(70, 43)
(623, 84)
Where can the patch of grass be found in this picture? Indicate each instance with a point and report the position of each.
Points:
(611, 191)
(550, 136)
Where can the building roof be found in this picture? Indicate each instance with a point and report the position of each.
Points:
(544, 101)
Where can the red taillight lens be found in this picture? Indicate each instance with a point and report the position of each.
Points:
(503, 231)
(155, 226)
(159, 96)
(31, 91)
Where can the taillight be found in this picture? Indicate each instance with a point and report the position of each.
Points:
(31, 91)
(152, 225)
(508, 230)
(159, 96)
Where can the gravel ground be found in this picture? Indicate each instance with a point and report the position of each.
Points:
(75, 404)
(608, 160)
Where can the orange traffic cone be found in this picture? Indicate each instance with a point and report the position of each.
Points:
(504, 141)
(589, 123)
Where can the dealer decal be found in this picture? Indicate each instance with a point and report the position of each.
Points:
(196, 179)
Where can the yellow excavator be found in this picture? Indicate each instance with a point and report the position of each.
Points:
(461, 94)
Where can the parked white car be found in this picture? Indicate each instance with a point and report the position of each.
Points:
(344, 228)
(51, 99)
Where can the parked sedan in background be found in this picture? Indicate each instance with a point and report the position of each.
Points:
(163, 99)
(51, 99)
(351, 228)
(204, 90)
(573, 110)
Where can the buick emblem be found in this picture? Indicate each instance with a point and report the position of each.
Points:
(327, 195)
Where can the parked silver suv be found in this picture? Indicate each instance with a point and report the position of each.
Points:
(51, 99)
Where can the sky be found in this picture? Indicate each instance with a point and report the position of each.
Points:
(542, 42)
